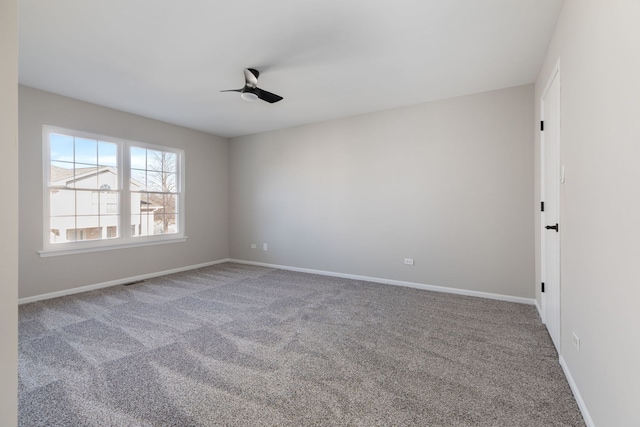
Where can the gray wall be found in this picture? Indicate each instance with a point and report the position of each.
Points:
(448, 183)
(9, 212)
(597, 43)
(206, 196)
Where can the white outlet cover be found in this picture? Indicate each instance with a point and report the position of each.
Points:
(253, 246)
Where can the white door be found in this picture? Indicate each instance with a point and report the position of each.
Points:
(551, 229)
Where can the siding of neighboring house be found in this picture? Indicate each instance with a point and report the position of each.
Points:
(96, 212)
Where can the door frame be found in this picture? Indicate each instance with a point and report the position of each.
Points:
(555, 74)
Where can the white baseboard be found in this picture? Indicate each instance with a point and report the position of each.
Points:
(576, 393)
(500, 297)
(115, 282)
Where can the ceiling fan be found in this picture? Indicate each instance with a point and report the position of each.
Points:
(251, 91)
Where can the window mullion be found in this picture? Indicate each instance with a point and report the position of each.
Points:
(125, 192)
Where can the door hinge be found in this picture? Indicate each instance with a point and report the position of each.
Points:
(542, 125)
(541, 206)
(542, 289)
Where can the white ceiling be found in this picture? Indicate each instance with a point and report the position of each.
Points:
(168, 59)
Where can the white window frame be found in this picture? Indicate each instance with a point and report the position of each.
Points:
(125, 239)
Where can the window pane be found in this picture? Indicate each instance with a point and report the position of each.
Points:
(142, 223)
(170, 203)
(86, 151)
(135, 225)
(71, 234)
(155, 181)
(108, 202)
(146, 224)
(59, 227)
(154, 160)
(143, 213)
(88, 228)
(87, 202)
(109, 226)
(107, 154)
(159, 226)
(112, 232)
(61, 147)
(170, 182)
(169, 163)
(62, 202)
(138, 158)
(108, 178)
(138, 180)
(156, 201)
(165, 224)
(61, 174)
(138, 202)
(86, 176)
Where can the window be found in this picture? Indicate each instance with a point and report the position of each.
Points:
(87, 203)
(154, 191)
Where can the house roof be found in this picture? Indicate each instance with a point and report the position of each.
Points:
(60, 174)
(63, 176)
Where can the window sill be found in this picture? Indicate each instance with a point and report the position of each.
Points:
(109, 247)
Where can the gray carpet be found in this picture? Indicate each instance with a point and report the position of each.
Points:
(236, 345)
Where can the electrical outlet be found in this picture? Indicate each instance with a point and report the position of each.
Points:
(408, 261)
(253, 246)
(265, 247)
(576, 341)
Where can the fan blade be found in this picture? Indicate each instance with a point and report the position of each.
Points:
(232, 90)
(251, 77)
(267, 96)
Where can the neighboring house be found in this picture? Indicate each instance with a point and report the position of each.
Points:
(80, 212)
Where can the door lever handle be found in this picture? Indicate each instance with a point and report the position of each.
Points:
(552, 227)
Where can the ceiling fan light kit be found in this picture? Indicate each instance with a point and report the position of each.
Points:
(251, 92)
(249, 96)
